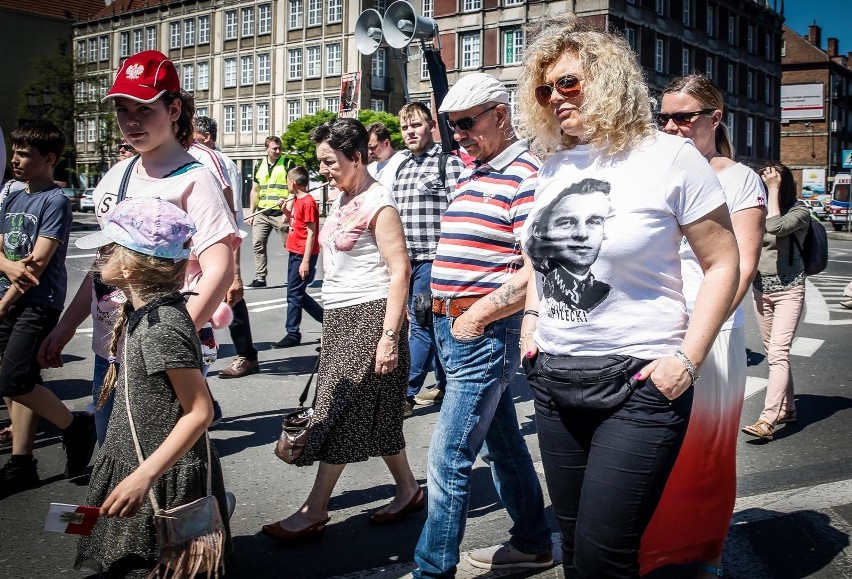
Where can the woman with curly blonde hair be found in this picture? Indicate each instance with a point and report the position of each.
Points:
(608, 353)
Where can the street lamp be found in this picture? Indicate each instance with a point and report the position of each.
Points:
(813, 139)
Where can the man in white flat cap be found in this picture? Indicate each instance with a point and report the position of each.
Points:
(479, 285)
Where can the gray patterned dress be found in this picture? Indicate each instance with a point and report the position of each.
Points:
(161, 336)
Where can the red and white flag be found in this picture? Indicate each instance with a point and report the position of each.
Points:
(71, 519)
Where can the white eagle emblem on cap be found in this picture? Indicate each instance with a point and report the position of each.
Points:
(134, 71)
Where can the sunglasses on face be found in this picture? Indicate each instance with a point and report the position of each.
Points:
(467, 123)
(680, 119)
(566, 86)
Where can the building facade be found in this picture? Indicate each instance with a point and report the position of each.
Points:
(253, 65)
(817, 117)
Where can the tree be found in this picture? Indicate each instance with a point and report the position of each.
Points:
(300, 150)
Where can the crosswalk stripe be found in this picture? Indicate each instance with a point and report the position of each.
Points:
(754, 385)
(805, 346)
(816, 310)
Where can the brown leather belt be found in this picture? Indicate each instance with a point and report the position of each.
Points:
(452, 307)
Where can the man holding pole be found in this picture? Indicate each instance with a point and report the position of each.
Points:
(269, 187)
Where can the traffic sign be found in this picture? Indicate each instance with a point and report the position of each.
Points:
(847, 158)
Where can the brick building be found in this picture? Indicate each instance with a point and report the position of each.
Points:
(817, 118)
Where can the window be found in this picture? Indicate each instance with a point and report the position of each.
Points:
(201, 112)
(314, 12)
(264, 19)
(709, 68)
(174, 35)
(332, 104)
(513, 2)
(230, 72)
(204, 76)
(335, 11)
(295, 14)
(247, 70)
(750, 38)
(750, 84)
(630, 35)
(230, 25)
(685, 61)
(513, 46)
(81, 91)
(81, 51)
(104, 40)
(379, 63)
(470, 5)
(749, 134)
(380, 5)
(294, 110)
(123, 44)
(229, 119)
(730, 125)
(711, 20)
(263, 68)
(687, 12)
(313, 67)
(660, 55)
(333, 59)
(783, 48)
(151, 38)
(311, 106)
(245, 118)
(428, 8)
(92, 89)
(767, 139)
(731, 79)
(189, 32)
(767, 90)
(203, 30)
(732, 30)
(188, 83)
(92, 132)
(137, 40)
(424, 69)
(295, 70)
(661, 7)
(377, 105)
(262, 117)
(93, 50)
(470, 50)
(768, 48)
(81, 131)
(248, 21)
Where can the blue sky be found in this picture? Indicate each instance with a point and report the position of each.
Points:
(833, 16)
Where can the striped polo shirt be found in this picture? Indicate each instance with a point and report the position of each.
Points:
(480, 245)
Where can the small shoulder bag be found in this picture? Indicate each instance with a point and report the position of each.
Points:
(296, 425)
(190, 537)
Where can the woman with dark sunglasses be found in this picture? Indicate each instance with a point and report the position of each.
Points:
(613, 383)
(702, 486)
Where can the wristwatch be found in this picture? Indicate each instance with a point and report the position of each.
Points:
(390, 334)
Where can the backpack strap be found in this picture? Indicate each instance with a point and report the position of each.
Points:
(125, 179)
(442, 170)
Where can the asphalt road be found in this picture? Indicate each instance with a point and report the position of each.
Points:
(794, 510)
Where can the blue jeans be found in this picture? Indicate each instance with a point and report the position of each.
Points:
(478, 413)
(606, 470)
(421, 339)
(297, 294)
(102, 414)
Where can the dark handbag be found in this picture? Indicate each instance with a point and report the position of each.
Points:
(585, 382)
(190, 537)
(296, 425)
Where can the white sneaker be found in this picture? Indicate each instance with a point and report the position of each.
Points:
(231, 502)
(507, 557)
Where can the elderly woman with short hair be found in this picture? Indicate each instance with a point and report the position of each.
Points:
(612, 376)
(363, 367)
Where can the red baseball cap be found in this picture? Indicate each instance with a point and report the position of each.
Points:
(144, 77)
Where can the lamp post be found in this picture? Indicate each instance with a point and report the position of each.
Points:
(813, 139)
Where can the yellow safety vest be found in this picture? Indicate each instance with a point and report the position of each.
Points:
(272, 186)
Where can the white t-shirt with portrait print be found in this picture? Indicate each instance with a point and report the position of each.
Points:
(639, 309)
(743, 190)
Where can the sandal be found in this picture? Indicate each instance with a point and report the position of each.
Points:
(715, 571)
(787, 417)
(760, 429)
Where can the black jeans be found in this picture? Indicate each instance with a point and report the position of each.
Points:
(605, 471)
(240, 329)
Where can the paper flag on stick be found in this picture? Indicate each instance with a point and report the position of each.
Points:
(71, 519)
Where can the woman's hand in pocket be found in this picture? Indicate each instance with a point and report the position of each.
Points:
(669, 376)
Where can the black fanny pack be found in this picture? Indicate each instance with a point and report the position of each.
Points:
(591, 382)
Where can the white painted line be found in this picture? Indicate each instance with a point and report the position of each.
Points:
(266, 308)
(84, 330)
(275, 301)
(817, 497)
(81, 255)
(805, 346)
(754, 385)
(816, 310)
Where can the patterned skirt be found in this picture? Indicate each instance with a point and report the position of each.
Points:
(357, 413)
